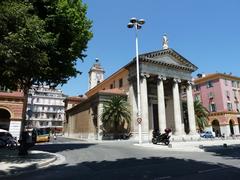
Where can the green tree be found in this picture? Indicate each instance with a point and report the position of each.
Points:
(116, 115)
(41, 41)
(201, 115)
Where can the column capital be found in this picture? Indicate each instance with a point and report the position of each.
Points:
(145, 75)
(161, 78)
(176, 80)
(190, 83)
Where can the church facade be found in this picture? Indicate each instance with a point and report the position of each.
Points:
(164, 76)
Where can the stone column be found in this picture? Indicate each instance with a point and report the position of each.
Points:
(133, 105)
(191, 113)
(151, 123)
(99, 121)
(144, 105)
(177, 108)
(161, 104)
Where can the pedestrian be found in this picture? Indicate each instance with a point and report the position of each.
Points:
(54, 136)
(24, 143)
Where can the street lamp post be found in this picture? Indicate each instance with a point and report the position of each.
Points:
(137, 24)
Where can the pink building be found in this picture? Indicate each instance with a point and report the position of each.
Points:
(220, 94)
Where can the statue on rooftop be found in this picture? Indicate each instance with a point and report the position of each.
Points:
(165, 41)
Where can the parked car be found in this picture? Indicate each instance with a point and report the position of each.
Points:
(7, 140)
(207, 134)
(5, 135)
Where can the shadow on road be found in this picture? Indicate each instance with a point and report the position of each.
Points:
(54, 148)
(131, 168)
(229, 151)
(11, 156)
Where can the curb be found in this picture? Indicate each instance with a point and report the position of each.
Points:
(56, 160)
(191, 146)
(47, 162)
(171, 148)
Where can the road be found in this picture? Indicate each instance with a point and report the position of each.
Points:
(123, 160)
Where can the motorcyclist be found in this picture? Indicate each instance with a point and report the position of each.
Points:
(158, 137)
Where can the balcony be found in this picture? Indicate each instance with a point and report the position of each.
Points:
(48, 111)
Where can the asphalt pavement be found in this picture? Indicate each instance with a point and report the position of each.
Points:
(47, 154)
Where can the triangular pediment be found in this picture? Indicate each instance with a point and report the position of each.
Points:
(168, 57)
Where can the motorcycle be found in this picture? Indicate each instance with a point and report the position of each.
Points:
(161, 138)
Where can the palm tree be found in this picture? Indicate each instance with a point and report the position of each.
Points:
(201, 115)
(115, 115)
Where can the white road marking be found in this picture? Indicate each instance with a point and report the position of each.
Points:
(164, 177)
(210, 170)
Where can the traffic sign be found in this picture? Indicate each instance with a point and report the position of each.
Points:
(139, 120)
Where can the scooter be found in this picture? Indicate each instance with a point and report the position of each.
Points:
(161, 138)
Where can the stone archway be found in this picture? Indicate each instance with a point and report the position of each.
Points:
(4, 119)
(231, 124)
(216, 127)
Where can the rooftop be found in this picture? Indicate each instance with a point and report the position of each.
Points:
(213, 76)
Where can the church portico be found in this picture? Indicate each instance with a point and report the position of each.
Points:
(161, 106)
(163, 74)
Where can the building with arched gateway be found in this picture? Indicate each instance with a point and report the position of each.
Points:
(11, 109)
(220, 94)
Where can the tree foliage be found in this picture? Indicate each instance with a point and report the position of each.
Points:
(41, 41)
(201, 115)
(116, 114)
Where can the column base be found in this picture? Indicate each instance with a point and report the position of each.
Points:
(193, 133)
(99, 137)
(145, 137)
(179, 133)
(188, 137)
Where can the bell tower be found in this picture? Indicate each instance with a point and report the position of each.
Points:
(96, 74)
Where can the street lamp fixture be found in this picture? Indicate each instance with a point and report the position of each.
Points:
(137, 24)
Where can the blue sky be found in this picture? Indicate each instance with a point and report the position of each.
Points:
(206, 32)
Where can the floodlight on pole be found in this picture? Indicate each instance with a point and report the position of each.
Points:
(134, 22)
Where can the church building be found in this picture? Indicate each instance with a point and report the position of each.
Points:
(164, 76)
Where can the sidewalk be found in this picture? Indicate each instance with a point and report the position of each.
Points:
(12, 164)
(191, 146)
